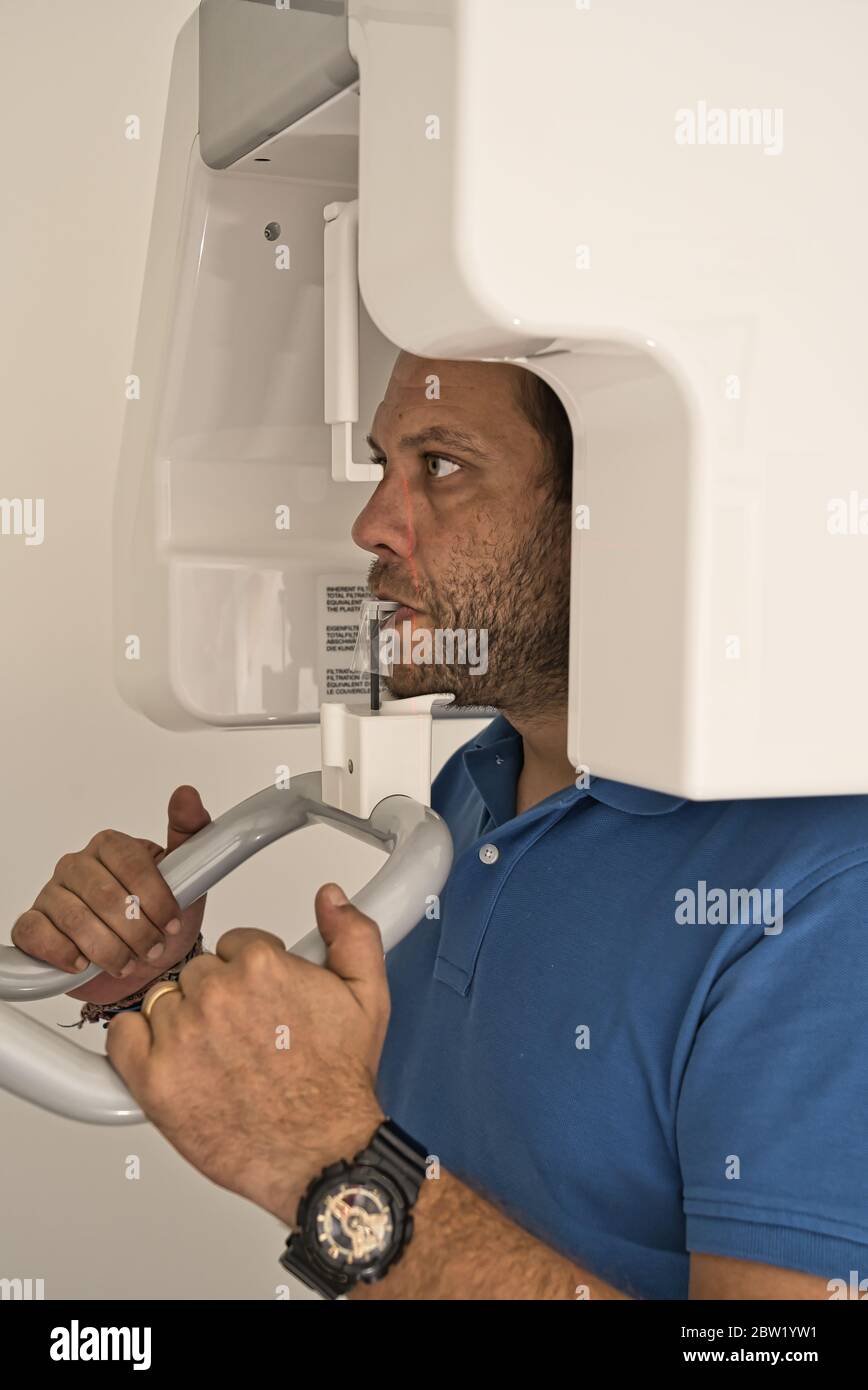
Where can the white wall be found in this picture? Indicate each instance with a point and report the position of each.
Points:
(76, 206)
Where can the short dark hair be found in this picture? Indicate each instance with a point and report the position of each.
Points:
(545, 411)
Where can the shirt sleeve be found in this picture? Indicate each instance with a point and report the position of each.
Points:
(772, 1115)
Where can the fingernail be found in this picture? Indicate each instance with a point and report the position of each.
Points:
(173, 927)
(128, 968)
(81, 963)
(156, 951)
(335, 896)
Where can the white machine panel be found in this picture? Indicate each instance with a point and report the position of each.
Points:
(669, 212)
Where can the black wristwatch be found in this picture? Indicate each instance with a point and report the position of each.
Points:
(355, 1219)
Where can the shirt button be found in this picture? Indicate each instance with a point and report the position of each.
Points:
(489, 854)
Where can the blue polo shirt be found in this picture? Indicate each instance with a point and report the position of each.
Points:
(638, 1024)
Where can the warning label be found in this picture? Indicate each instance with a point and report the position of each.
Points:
(339, 598)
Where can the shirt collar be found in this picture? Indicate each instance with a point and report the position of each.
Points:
(493, 762)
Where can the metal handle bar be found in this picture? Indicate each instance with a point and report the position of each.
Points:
(38, 1065)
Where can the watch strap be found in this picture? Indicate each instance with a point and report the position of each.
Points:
(404, 1159)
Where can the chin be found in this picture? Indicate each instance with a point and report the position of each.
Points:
(406, 681)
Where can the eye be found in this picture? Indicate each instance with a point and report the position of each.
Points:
(440, 458)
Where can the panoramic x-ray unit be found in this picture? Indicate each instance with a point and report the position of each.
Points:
(645, 205)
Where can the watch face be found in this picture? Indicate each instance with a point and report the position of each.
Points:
(354, 1224)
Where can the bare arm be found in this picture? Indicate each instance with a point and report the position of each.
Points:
(464, 1248)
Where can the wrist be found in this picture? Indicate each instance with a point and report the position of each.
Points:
(139, 984)
(398, 1281)
(141, 978)
(356, 1135)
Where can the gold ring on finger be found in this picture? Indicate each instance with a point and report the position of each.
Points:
(163, 987)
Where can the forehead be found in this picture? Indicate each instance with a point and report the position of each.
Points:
(480, 395)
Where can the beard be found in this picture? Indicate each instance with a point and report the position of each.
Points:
(519, 597)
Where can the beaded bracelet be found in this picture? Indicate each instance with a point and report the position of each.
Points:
(93, 1013)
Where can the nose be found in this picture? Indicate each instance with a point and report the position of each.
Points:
(385, 524)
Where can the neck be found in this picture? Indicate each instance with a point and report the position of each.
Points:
(546, 767)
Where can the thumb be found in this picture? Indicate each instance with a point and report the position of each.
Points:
(186, 816)
(354, 947)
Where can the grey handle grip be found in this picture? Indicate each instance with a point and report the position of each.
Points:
(38, 1065)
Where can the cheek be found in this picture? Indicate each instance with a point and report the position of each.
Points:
(458, 544)
(469, 554)
(480, 531)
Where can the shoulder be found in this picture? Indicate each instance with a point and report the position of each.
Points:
(796, 842)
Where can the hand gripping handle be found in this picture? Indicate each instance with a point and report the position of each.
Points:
(39, 1065)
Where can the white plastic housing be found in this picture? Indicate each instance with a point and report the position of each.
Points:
(370, 754)
(528, 184)
(236, 582)
(341, 328)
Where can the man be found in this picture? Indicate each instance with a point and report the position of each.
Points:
(621, 1093)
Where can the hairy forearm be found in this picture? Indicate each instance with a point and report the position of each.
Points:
(464, 1248)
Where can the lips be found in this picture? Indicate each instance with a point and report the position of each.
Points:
(404, 614)
(390, 598)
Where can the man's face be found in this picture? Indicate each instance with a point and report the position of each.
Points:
(466, 533)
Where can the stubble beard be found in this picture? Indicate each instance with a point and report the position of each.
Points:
(522, 600)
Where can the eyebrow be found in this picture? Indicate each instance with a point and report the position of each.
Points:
(435, 434)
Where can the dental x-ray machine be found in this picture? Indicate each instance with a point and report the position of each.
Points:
(643, 204)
